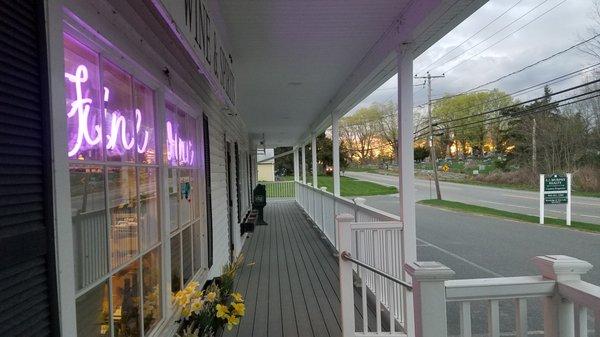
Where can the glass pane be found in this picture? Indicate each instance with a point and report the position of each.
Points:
(123, 214)
(126, 301)
(198, 245)
(175, 264)
(88, 213)
(193, 140)
(92, 312)
(187, 255)
(144, 123)
(149, 227)
(151, 288)
(185, 197)
(185, 148)
(82, 95)
(173, 198)
(195, 182)
(119, 122)
(172, 125)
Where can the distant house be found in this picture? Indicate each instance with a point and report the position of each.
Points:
(266, 169)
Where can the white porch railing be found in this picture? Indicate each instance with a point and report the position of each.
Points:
(376, 239)
(279, 189)
(566, 298)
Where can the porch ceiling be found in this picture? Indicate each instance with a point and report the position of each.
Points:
(298, 61)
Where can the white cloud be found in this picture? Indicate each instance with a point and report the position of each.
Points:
(562, 27)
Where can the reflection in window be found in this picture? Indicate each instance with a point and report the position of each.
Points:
(126, 301)
(92, 312)
(185, 197)
(173, 198)
(123, 214)
(82, 91)
(88, 215)
(187, 254)
(119, 120)
(151, 288)
(144, 116)
(175, 263)
(148, 206)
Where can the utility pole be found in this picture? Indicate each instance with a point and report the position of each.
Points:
(534, 147)
(431, 145)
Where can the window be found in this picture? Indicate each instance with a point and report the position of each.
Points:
(238, 194)
(183, 174)
(114, 195)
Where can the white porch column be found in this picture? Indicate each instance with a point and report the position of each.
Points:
(296, 165)
(405, 153)
(335, 135)
(314, 160)
(303, 164)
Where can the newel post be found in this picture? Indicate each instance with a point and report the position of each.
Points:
(344, 239)
(429, 297)
(559, 313)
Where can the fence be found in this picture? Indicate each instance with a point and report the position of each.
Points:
(279, 189)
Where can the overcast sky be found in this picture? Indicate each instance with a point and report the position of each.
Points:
(563, 26)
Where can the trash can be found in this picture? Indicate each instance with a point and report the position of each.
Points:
(259, 201)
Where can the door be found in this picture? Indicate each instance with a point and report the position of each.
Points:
(229, 198)
(28, 290)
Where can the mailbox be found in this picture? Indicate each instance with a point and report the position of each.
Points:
(259, 201)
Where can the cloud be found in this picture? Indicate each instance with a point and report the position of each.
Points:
(560, 28)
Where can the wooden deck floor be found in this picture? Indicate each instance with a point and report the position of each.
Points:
(289, 279)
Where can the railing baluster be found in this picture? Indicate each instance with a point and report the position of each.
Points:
(583, 324)
(465, 319)
(494, 318)
(377, 279)
(521, 317)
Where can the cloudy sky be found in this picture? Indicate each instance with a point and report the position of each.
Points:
(549, 27)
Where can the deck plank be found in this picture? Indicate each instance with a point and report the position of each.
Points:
(290, 279)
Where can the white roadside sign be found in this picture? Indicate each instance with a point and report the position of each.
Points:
(555, 189)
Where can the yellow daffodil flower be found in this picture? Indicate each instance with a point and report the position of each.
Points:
(196, 306)
(211, 296)
(237, 297)
(232, 321)
(222, 311)
(186, 312)
(239, 308)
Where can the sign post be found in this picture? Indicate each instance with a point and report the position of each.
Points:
(555, 189)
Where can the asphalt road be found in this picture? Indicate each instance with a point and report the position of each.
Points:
(583, 209)
(481, 247)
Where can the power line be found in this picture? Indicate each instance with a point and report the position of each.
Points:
(524, 112)
(527, 89)
(494, 34)
(470, 37)
(521, 70)
(506, 37)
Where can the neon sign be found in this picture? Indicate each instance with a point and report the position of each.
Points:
(179, 151)
(85, 128)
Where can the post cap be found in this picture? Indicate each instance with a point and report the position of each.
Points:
(561, 267)
(360, 201)
(428, 271)
(345, 217)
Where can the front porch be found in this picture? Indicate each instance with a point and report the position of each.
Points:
(290, 279)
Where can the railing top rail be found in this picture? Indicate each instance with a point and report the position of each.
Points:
(377, 225)
(368, 209)
(580, 292)
(498, 288)
(347, 256)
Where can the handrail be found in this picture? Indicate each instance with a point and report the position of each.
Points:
(347, 256)
(498, 288)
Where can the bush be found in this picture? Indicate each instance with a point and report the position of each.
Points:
(587, 179)
(500, 164)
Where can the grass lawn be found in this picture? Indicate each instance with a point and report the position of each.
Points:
(351, 187)
(466, 208)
